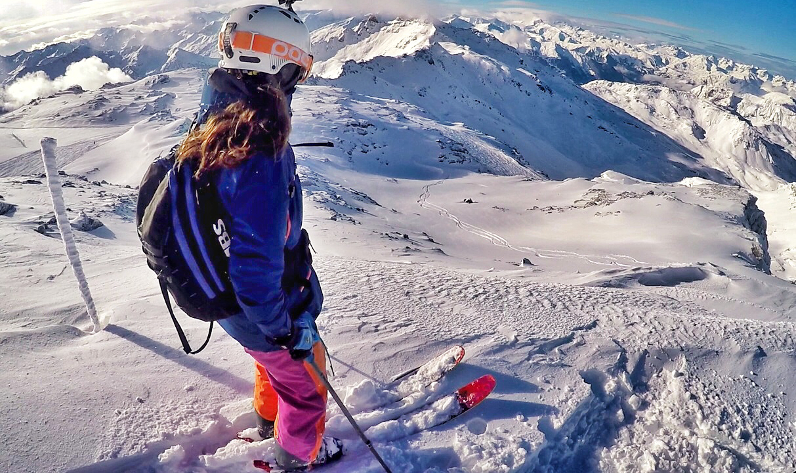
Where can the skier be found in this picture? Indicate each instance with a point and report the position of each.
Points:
(239, 141)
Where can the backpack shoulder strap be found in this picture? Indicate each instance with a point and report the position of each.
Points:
(185, 345)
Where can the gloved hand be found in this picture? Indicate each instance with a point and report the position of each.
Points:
(304, 336)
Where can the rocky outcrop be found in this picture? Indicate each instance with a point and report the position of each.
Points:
(84, 223)
(756, 222)
(6, 208)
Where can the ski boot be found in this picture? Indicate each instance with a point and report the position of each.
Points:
(331, 450)
(264, 427)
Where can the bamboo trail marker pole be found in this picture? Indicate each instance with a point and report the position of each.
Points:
(48, 146)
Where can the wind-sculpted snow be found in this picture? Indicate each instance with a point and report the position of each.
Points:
(575, 387)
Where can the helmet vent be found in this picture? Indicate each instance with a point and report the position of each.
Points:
(285, 13)
(249, 59)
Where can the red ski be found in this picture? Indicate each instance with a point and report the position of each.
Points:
(441, 410)
(471, 395)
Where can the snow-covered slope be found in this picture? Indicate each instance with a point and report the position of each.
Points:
(463, 75)
(727, 140)
(745, 113)
(587, 344)
(615, 254)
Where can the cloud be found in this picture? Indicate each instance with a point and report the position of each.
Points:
(68, 38)
(90, 74)
(655, 21)
(736, 47)
(25, 23)
(775, 58)
(406, 8)
(517, 3)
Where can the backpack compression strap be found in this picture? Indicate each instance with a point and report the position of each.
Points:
(185, 345)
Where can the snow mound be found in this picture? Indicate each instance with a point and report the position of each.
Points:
(668, 277)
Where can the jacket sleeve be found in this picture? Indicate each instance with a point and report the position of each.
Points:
(259, 209)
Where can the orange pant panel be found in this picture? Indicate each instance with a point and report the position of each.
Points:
(265, 398)
(319, 354)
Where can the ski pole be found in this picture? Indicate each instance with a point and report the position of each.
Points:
(325, 144)
(348, 414)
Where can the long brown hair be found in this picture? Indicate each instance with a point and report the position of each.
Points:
(243, 128)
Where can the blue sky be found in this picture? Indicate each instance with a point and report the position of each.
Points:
(750, 26)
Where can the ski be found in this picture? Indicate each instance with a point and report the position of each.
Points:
(432, 414)
(406, 384)
(417, 379)
(441, 410)
(434, 368)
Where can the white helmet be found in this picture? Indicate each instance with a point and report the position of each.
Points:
(264, 38)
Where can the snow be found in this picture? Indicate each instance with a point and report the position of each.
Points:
(728, 140)
(779, 206)
(624, 276)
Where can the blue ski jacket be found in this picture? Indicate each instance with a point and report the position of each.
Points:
(263, 197)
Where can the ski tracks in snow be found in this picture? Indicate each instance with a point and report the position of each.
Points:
(30, 163)
(613, 260)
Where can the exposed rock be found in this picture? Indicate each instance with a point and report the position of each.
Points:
(5, 207)
(157, 80)
(756, 221)
(84, 223)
